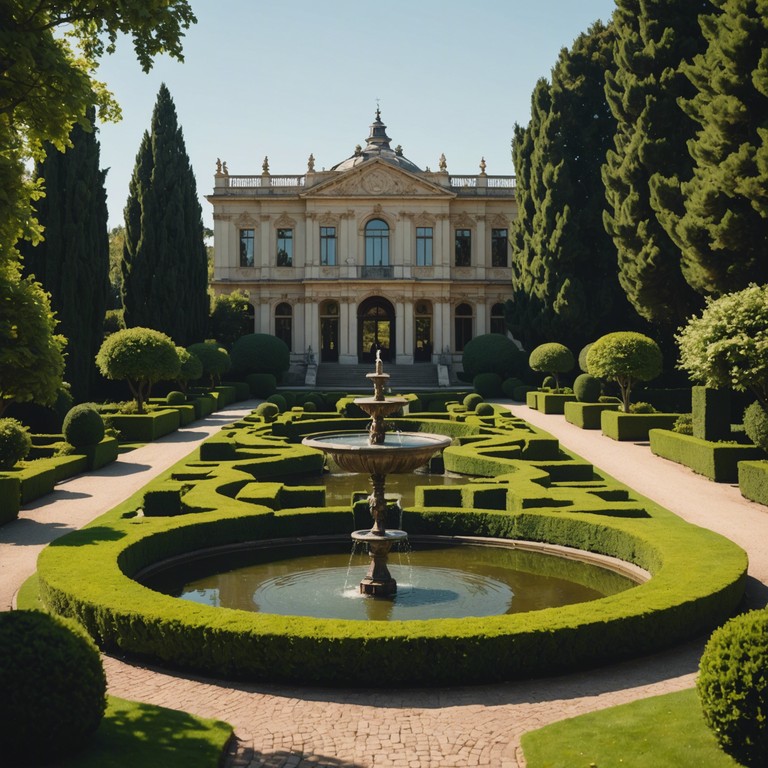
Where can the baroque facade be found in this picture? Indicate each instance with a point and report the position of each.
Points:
(374, 253)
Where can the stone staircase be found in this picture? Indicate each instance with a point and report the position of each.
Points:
(403, 378)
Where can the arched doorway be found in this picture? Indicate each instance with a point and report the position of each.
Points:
(329, 332)
(375, 329)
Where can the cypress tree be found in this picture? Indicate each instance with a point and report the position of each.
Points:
(654, 39)
(165, 268)
(72, 262)
(565, 282)
(723, 231)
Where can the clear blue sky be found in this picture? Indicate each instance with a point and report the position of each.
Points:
(286, 78)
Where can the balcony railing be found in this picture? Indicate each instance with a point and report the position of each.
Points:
(369, 272)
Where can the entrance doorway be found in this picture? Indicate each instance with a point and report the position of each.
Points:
(329, 332)
(422, 348)
(375, 329)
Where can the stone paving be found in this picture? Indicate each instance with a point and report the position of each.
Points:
(290, 727)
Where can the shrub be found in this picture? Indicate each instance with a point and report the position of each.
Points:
(279, 401)
(625, 357)
(268, 411)
(472, 400)
(309, 406)
(231, 317)
(733, 687)
(756, 425)
(190, 367)
(488, 384)
(587, 388)
(214, 358)
(54, 687)
(519, 393)
(684, 424)
(260, 353)
(484, 409)
(509, 385)
(582, 358)
(550, 382)
(642, 408)
(176, 398)
(314, 397)
(552, 358)
(15, 442)
(262, 385)
(83, 426)
(492, 353)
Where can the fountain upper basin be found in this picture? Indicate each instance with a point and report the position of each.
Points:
(400, 452)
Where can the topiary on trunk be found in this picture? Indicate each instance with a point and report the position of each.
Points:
(552, 358)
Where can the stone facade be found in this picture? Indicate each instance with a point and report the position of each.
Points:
(374, 252)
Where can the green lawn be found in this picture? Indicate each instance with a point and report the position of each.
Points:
(664, 732)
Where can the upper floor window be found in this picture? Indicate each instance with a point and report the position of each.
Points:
(246, 247)
(284, 247)
(463, 247)
(423, 246)
(499, 247)
(328, 246)
(377, 243)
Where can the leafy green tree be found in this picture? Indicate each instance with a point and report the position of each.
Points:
(116, 245)
(190, 368)
(31, 352)
(722, 228)
(564, 274)
(141, 357)
(165, 262)
(47, 83)
(625, 357)
(215, 360)
(654, 40)
(231, 317)
(552, 358)
(727, 345)
(71, 262)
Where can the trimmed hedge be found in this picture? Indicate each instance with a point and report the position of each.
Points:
(587, 415)
(711, 413)
(634, 426)
(551, 497)
(753, 480)
(717, 461)
(145, 427)
(552, 403)
(10, 498)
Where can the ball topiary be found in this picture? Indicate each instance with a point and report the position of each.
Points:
(314, 397)
(552, 358)
(262, 385)
(15, 442)
(279, 401)
(53, 684)
(550, 382)
(484, 409)
(268, 411)
(472, 400)
(260, 353)
(309, 406)
(581, 360)
(492, 353)
(756, 425)
(508, 386)
(733, 687)
(487, 384)
(175, 398)
(83, 426)
(587, 388)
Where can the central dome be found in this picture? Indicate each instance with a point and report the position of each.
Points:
(377, 145)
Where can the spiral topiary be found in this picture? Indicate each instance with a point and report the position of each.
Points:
(175, 398)
(756, 425)
(487, 384)
(268, 411)
(472, 400)
(83, 426)
(733, 687)
(587, 388)
(15, 442)
(53, 684)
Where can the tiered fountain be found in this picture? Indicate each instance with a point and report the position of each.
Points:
(379, 454)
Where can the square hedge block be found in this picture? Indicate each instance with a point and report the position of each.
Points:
(587, 415)
(753, 480)
(711, 413)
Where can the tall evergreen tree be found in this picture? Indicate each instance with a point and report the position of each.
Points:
(723, 231)
(565, 282)
(72, 262)
(165, 268)
(654, 39)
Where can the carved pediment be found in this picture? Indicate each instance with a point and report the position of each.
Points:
(376, 178)
(246, 221)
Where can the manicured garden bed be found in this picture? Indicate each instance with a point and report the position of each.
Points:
(533, 491)
(587, 415)
(634, 426)
(753, 480)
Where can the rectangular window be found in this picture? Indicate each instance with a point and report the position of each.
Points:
(328, 246)
(463, 247)
(246, 247)
(499, 247)
(284, 247)
(423, 246)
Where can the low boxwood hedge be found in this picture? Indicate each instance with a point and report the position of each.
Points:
(145, 427)
(557, 499)
(634, 426)
(587, 415)
(753, 480)
(717, 461)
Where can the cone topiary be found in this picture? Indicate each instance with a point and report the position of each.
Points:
(53, 684)
(733, 687)
(15, 442)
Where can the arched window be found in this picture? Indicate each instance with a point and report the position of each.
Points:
(463, 322)
(377, 243)
(498, 323)
(284, 323)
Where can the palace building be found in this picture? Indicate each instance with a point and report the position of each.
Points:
(374, 253)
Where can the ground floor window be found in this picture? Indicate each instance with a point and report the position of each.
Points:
(498, 323)
(284, 324)
(463, 325)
